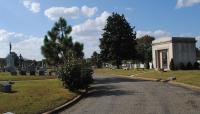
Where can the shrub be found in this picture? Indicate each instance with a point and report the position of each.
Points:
(196, 65)
(189, 66)
(76, 77)
(182, 66)
(171, 65)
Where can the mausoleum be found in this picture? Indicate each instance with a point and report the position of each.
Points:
(180, 49)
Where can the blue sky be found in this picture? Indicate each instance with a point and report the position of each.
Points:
(25, 22)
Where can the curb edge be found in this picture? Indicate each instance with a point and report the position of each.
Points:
(66, 105)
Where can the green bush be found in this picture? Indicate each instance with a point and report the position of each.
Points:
(182, 66)
(196, 65)
(76, 77)
(189, 66)
(171, 65)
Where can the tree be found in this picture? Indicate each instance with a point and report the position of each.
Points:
(144, 49)
(66, 56)
(96, 59)
(58, 48)
(118, 40)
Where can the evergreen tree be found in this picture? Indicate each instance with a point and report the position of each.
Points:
(58, 48)
(96, 60)
(144, 49)
(118, 40)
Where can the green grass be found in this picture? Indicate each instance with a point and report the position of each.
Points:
(106, 71)
(7, 76)
(191, 77)
(35, 96)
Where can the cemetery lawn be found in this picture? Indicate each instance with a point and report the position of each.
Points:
(34, 96)
(5, 76)
(191, 77)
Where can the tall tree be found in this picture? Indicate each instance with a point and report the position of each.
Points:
(58, 48)
(144, 48)
(96, 59)
(118, 40)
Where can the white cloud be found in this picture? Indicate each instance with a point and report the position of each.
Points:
(32, 6)
(88, 11)
(54, 13)
(156, 34)
(89, 33)
(186, 3)
(28, 46)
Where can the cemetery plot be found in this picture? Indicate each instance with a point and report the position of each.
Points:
(34, 96)
(5, 76)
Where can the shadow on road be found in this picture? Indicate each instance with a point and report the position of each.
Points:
(103, 86)
(107, 90)
(107, 80)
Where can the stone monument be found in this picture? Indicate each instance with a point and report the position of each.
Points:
(42, 69)
(10, 63)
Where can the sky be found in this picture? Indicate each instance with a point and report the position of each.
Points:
(24, 23)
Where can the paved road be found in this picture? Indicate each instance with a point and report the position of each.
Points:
(118, 95)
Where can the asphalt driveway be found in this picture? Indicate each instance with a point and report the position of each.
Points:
(119, 95)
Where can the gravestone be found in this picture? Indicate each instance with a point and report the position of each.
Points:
(6, 86)
(32, 69)
(10, 63)
(22, 71)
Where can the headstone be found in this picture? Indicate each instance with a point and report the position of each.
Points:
(5, 86)
(32, 69)
(142, 66)
(22, 71)
(10, 64)
(150, 65)
(42, 69)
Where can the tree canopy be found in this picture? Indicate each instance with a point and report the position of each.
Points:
(58, 46)
(118, 40)
(144, 48)
(96, 59)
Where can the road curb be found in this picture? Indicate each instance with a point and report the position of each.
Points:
(173, 83)
(185, 85)
(141, 78)
(66, 105)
